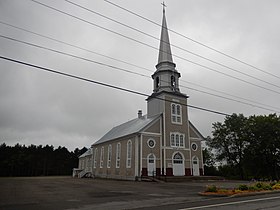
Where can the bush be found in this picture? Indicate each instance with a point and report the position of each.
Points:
(211, 188)
(276, 186)
(263, 186)
(253, 188)
(243, 187)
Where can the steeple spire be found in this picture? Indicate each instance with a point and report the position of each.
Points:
(166, 77)
(164, 48)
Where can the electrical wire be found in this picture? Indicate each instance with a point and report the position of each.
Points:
(183, 49)
(140, 67)
(105, 84)
(140, 42)
(195, 41)
(128, 71)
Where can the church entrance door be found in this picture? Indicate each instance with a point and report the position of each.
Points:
(178, 164)
(195, 164)
(151, 165)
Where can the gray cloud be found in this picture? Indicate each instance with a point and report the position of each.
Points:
(42, 108)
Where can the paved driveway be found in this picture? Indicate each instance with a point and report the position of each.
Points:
(69, 193)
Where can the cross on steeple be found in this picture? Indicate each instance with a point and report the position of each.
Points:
(163, 6)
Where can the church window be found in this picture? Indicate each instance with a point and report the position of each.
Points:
(101, 157)
(181, 140)
(109, 156)
(172, 81)
(151, 143)
(172, 143)
(177, 140)
(128, 155)
(118, 155)
(95, 158)
(178, 159)
(194, 146)
(176, 113)
(157, 82)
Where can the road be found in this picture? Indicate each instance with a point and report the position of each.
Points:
(46, 193)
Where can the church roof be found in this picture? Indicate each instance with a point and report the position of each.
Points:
(130, 127)
(87, 153)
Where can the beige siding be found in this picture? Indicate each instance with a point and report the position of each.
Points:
(113, 172)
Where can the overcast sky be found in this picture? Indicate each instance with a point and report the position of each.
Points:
(38, 107)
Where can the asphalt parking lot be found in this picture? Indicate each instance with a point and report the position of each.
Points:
(72, 193)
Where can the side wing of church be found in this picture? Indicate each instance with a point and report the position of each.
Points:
(161, 143)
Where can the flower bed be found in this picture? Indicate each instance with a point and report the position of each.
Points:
(242, 189)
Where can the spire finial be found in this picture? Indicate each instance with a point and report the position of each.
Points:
(163, 6)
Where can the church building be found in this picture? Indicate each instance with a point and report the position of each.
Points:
(161, 143)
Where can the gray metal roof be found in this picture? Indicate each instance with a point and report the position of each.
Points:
(87, 153)
(130, 127)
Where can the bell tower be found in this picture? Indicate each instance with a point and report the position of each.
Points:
(166, 77)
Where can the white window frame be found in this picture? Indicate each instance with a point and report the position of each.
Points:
(148, 143)
(101, 157)
(196, 146)
(128, 153)
(118, 155)
(109, 158)
(177, 140)
(176, 113)
(95, 158)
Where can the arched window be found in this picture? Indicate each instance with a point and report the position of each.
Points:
(173, 83)
(157, 82)
(101, 157)
(172, 143)
(129, 154)
(176, 113)
(118, 155)
(177, 158)
(109, 156)
(95, 158)
(177, 140)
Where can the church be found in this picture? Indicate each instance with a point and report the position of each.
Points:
(162, 142)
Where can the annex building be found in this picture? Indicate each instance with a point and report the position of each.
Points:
(162, 142)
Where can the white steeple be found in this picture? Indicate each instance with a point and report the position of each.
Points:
(166, 77)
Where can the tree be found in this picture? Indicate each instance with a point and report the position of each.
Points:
(209, 163)
(229, 141)
(20, 160)
(263, 152)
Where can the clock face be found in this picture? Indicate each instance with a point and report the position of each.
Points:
(194, 146)
(151, 143)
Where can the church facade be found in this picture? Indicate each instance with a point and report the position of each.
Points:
(161, 143)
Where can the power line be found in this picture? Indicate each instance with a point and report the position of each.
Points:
(175, 46)
(140, 42)
(125, 62)
(127, 71)
(72, 45)
(104, 84)
(228, 94)
(195, 41)
(71, 55)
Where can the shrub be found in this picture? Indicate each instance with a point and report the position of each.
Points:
(243, 187)
(211, 188)
(263, 186)
(276, 186)
(253, 188)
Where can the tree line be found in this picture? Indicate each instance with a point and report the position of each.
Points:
(244, 147)
(21, 160)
